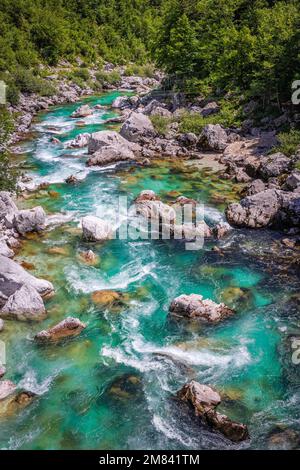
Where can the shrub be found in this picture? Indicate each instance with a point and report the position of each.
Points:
(8, 173)
(161, 123)
(288, 142)
(113, 78)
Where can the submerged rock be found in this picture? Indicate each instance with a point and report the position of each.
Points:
(82, 111)
(283, 439)
(95, 229)
(25, 304)
(11, 399)
(71, 179)
(203, 400)
(89, 257)
(194, 307)
(67, 328)
(106, 297)
(137, 128)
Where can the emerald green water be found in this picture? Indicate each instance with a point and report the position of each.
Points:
(112, 387)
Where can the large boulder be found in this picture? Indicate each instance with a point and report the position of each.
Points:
(292, 181)
(13, 277)
(13, 399)
(194, 307)
(82, 111)
(95, 229)
(25, 304)
(29, 220)
(213, 137)
(257, 211)
(204, 400)
(67, 328)
(137, 128)
(274, 165)
(110, 155)
(110, 139)
(149, 205)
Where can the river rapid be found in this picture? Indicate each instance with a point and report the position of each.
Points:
(113, 386)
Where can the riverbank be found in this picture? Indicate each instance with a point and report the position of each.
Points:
(132, 357)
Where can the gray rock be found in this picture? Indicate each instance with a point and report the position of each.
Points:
(29, 220)
(257, 186)
(149, 205)
(257, 211)
(70, 327)
(5, 250)
(213, 137)
(80, 141)
(110, 139)
(194, 307)
(292, 181)
(82, 111)
(95, 229)
(210, 108)
(274, 165)
(137, 128)
(204, 400)
(111, 154)
(7, 205)
(13, 277)
(25, 304)
(160, 111)
(121, 102)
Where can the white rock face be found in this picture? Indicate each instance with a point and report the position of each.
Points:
(80, 141)
(29, 220)
(193, 306)
(5, 250)
(25, 304)
(95, 229)
(13, 276)
(7, 205)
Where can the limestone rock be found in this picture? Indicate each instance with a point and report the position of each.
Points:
(137, 128)
(25, 304)
(193, 306)
(67, 328)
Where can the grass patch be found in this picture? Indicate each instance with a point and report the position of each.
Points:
(288, 142)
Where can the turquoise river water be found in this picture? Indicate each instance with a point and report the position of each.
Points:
(113, 386)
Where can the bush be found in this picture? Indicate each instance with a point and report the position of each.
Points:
(113, 78)
(228, 116)
(288, 142)
(146, 70)
(161, 123)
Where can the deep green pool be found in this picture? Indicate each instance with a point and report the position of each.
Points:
(112, 387)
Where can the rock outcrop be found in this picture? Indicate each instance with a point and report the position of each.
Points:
(80, 141)
(70, 327)
(194, 307)
(107, 147)
(271, 207)
(95, 229)
(29, 220)
(204, 400)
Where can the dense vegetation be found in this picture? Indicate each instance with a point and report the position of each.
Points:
(8, 174)
(229, 49)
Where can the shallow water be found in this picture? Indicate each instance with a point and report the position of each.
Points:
(112, 387)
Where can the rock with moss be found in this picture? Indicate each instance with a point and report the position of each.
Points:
(68, 328)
